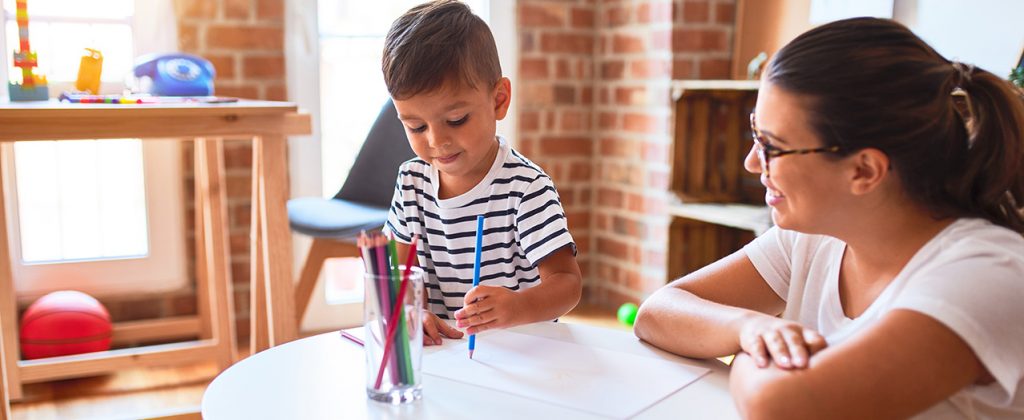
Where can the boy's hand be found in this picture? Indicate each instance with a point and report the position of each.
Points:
(487, 308)
(787, 343)
(434, 328)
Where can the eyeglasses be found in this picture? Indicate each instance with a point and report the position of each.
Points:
(765, 151)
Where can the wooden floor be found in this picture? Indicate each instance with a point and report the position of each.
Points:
(172, 393)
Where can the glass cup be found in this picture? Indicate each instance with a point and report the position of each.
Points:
(394, 339)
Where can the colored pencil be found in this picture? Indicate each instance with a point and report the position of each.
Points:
(383, 295)
(476, 271)
(409, 261)
(354, 339)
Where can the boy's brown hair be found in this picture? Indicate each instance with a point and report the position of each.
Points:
(438, 43)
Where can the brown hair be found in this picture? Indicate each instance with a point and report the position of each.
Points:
(953, 133)
(436, 43)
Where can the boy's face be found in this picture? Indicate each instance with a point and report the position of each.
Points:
(453, 128)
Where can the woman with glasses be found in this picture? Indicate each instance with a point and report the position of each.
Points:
(893, 282)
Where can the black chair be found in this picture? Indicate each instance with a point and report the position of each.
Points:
(361, 204)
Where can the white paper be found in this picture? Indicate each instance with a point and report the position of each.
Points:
(599, 381)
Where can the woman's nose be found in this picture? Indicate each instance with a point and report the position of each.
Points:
(751, 162)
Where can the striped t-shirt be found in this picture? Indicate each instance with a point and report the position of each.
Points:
(523, 223)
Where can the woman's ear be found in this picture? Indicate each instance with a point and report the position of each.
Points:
(502, 98)
(870, 168)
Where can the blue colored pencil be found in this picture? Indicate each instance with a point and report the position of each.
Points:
(476, 271)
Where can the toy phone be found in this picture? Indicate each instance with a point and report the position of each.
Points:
(175, 74)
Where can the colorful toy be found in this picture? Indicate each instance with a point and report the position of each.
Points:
(627, 313)
(89, 72)
(63, 323)
(32, 87)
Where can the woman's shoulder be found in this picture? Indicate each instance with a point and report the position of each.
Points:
(972, 237)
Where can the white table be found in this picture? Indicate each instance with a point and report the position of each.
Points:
(322, 377)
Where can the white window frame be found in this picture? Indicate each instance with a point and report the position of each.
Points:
(164, 268)
(303, 82)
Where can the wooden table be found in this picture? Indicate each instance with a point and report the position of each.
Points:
(274, 322)
(322, 377)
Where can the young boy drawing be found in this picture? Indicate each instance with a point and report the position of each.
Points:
(441, 69)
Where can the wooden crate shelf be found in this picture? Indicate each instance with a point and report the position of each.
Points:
(718, 206)
(711, 137)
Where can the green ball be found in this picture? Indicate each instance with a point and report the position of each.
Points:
(627, 313)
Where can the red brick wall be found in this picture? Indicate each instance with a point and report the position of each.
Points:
(594, 112)
(558, 41)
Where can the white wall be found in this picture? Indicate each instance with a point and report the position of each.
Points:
(986, 33)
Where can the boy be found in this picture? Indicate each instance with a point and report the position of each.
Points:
(441, 68)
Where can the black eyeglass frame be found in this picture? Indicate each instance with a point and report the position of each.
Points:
(766, 151)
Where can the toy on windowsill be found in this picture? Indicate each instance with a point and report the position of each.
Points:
(32, 87)
(89, 70)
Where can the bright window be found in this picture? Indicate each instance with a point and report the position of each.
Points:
(82, 214)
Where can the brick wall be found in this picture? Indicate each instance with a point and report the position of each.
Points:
(244, 41)
(594, 112)
(555, 100)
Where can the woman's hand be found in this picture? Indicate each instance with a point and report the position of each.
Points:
(488, 307)
(787, 343)
(434, 327)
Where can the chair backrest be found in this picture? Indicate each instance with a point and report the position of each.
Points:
(371, 180)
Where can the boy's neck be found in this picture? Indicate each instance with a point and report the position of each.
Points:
(451, 186)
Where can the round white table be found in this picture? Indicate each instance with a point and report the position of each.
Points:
(322, 377)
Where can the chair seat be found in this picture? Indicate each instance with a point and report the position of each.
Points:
(333, 218)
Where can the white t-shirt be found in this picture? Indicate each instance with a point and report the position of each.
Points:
(969, 277)
(523, 223)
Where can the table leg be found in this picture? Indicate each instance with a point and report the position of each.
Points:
(5, 404)
(275, 235)
(202, 285)
(259, 336)
(8, 307)
(218, 275)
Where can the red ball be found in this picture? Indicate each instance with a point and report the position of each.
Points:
(63, 323)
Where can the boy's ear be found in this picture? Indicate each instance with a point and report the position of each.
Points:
(871, 167)
(502, 97)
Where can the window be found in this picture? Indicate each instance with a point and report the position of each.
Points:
(102, 216)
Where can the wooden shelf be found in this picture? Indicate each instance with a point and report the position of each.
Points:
(756, 219)
(718, 207)
(681, 86)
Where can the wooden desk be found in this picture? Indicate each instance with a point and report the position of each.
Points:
(322, 377)
(274, 321)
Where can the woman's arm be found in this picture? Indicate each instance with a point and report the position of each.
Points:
(900, 366)
(701, 315)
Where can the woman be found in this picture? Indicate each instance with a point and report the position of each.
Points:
(893, 282)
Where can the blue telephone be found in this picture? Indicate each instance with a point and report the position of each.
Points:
(175, 74)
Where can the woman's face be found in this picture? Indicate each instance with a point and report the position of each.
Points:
(805, 191)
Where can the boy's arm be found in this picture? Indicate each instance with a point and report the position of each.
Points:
(490, 307)
(560, 288)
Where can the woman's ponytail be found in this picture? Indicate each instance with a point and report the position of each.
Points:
(992, 184)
